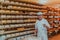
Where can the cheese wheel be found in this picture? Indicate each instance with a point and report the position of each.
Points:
(20, 29)
(8, 21)
(9, 7)
(8, 16)
(14, 7)
(3, 21)
(17, 34)
(6, 1)
(2, 11)
(8, 35)
(21, 3)
(16, 11)
(45, 16)
(1, 0)
(7, 26)
(18, 7)
(16, 2)
(1, 6)
(13, 21)
(7, 11)
(12, 2)
(24, 3)
(50, 16)
(12, 11)
(1, 27)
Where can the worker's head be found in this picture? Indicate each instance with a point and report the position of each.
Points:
(40, 15)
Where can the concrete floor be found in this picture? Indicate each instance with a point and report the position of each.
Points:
(57, 37)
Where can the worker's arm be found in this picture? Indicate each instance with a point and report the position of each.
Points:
(47, 25)
(36, 28)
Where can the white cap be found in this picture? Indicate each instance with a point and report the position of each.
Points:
(39, 13)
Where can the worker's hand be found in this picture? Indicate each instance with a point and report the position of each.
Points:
(36, 32)
(45, 26)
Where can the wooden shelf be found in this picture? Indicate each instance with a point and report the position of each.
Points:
(16, 25)
(24, 9)
(28, 19)
(27, 2)
(21, 35)
(16, 21)
(28, 6)
(16, 31)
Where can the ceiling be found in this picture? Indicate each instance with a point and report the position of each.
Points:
(52, 3)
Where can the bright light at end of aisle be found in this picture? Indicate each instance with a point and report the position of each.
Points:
(43, 1)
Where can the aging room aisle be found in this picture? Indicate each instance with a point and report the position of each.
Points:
(57, 37)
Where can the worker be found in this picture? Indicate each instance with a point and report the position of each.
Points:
(41, 27)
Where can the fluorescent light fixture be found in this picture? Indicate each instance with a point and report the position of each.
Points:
(42, 1)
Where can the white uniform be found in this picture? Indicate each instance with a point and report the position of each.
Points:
(2, 37)
(42, 31)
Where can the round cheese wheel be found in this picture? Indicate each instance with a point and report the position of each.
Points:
(12, 11)
(1, 0)
(24, 3)
(16, 2)
(20, 29)
(8, 35)
(7, 11)
(17, 34)
(16, 11)
(12, 2)
(2, 11)
(8, 21)
(3, 21)
(1, 6)
(7, 26)
(21, 3)
(6, 1)
(19, 8)
(9, 7)
(14, 7)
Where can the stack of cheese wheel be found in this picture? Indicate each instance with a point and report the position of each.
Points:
(1, 0)
(16, 3)
(7, 11)
(2, 11)
(16, 11)
(9, 7)
(12, 11)
(14, 7)
(20, 29)
(3, 21)
(6, 1)
(12, 2)
(32, 1)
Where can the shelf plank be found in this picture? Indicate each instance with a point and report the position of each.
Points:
(19, 25)
(28, 6)
(16, 31)
(21, 35)
(27, 2)
(25, 21)
(24, 9)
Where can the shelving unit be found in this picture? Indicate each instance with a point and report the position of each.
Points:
(53, 17)
(17, 18)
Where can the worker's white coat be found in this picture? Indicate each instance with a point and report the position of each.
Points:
(42, 31)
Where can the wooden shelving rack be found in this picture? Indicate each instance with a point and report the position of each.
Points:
(53, 17)
(18, 18)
